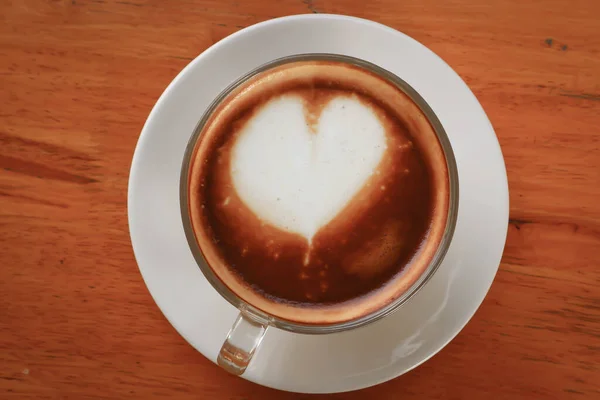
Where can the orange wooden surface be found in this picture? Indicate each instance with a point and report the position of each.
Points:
(77, 81)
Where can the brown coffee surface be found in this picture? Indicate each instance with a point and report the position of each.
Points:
(374, 248)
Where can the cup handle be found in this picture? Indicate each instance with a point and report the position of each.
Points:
(242, 340)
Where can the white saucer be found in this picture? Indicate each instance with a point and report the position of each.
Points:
(349, 360)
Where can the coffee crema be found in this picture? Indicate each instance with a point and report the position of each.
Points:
(318, 191)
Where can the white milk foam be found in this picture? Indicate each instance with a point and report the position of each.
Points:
(299, 180)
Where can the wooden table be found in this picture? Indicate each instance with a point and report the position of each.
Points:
(78, 79)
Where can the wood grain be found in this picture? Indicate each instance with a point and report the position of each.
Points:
(77, 80)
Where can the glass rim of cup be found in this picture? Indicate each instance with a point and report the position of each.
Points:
(298, 327)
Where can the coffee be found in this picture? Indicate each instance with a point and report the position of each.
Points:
(318, 191)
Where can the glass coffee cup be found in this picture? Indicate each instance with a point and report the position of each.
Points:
(253, 321)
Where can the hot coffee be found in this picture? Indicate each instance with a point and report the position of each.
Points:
(318, 191)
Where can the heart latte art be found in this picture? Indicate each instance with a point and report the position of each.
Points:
(297, 177)
(318, 191)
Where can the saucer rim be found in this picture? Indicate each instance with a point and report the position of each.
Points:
(155, 114)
